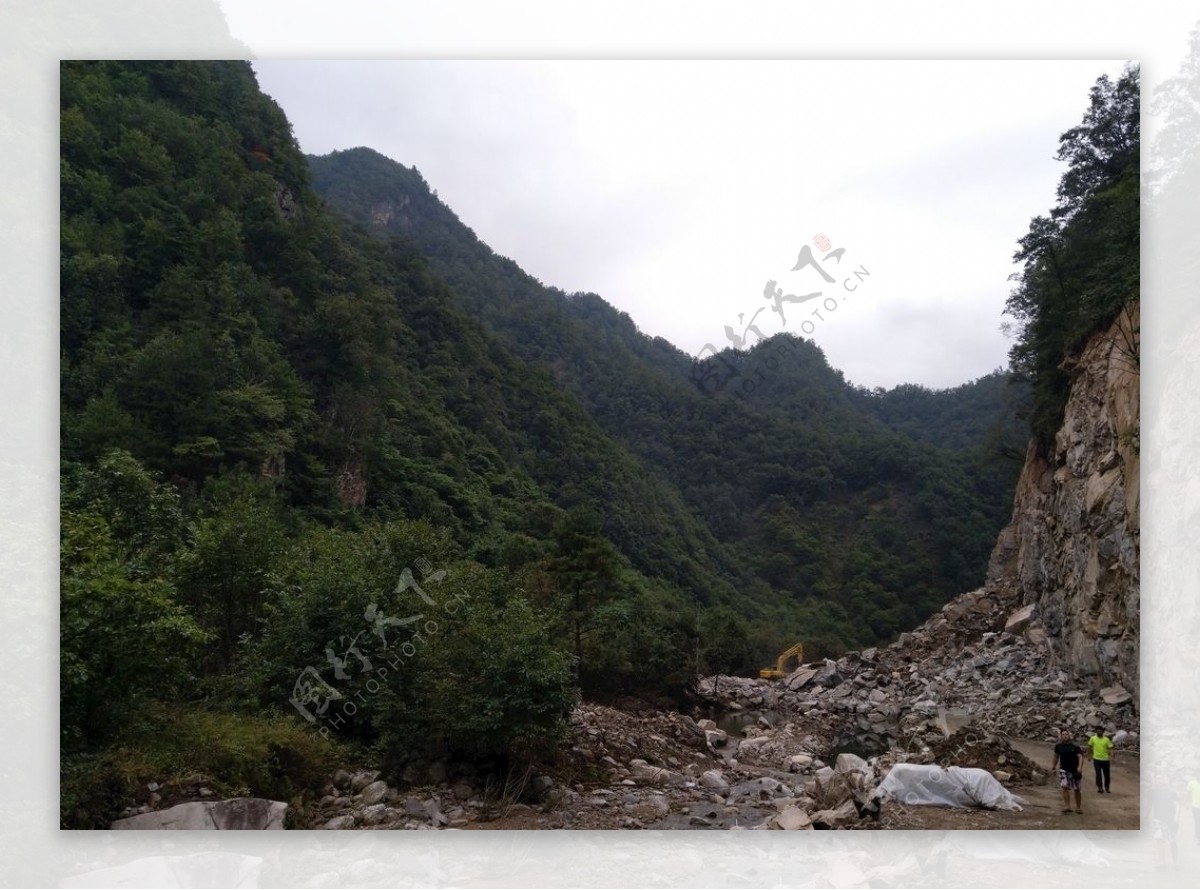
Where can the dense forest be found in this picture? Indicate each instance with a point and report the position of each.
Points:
(321, 445)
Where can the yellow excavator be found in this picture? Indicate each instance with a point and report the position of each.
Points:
(780, 669)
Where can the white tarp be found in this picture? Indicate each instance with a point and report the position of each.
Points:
(917, 785)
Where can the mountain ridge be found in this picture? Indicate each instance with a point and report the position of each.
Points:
(637, 387)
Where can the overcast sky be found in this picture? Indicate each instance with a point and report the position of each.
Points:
(676, 190)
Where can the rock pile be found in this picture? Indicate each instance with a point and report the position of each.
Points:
(650, 770)
(983, 659)
(361, 799)
(971, 748)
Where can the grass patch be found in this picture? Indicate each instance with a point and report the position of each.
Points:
(234, 755)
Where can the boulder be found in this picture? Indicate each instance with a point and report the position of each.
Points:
(340, 823)
(798, 678)
(791, 818)
(375, 813)
(1115, 695)
(1020, 619)
(414, 806)
(434, 810)
(341, 780)
(798, 762)
(362, 779)
(235, 814)
(840, 816)
(852, 763)
(374, 793)
(645, 774)
(462, 790)
(828, 675)
(752, 745)
(714, 780)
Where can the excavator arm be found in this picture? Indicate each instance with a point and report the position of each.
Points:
(780, 670)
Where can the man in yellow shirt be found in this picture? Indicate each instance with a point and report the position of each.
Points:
(1101, 745)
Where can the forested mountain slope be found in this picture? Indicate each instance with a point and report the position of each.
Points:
(803, 479)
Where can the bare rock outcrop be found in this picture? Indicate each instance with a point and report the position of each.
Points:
(1071, 552)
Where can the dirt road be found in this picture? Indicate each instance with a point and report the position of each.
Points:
(1043, 803)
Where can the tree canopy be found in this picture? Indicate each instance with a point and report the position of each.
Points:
(1081, 261)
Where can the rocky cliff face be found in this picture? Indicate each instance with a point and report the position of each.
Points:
(1072, 549)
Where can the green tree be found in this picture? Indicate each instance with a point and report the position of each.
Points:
(487, 683)
(585, 572)
(725, 644)
(125, 638)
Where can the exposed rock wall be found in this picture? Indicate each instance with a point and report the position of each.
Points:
(1072, 549)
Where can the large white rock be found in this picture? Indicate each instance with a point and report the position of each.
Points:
(235, 814)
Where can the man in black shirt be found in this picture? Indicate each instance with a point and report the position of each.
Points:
(1068, 758)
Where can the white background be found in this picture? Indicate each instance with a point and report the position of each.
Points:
(33, 36)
